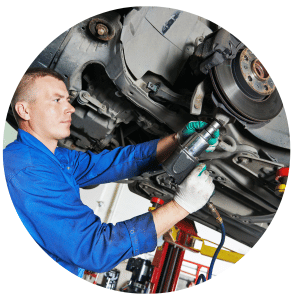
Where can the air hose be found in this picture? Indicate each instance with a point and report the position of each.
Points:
(219, 220)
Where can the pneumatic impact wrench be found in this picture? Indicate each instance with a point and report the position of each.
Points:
(184, 159)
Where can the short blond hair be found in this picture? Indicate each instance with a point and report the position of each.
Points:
(24, 90)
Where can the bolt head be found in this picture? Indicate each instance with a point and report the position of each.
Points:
(244, 160)
(73, 93)
(101, 29)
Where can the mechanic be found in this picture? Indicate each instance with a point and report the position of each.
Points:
(44, 181)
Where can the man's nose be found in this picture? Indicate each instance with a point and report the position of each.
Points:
(70, 109)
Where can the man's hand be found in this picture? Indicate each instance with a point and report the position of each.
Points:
(194, 192)
(167, 145)
(190, 129)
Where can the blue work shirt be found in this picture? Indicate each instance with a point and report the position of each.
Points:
(44, 188)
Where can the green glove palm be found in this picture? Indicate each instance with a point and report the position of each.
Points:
(194, 126)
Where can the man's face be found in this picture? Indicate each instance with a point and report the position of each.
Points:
(50, 113)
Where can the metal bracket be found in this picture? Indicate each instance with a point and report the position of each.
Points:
(84, 98)
(197, 99)
(255, 166)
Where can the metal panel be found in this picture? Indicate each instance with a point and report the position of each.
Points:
(276, 132)
(147, 48)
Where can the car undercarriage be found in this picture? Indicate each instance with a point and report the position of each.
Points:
(142, 73)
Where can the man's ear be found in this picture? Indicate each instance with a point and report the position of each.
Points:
(22, 109)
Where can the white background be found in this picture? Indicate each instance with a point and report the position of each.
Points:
(269, 29)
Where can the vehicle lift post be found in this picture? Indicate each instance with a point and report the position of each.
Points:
(168, 258)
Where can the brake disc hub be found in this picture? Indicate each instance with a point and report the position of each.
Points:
(246, 89)
(254, 74)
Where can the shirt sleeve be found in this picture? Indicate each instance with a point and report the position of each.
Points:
(54, 215)
(111, 166)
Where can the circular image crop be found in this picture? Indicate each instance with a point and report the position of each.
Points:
(150, 149)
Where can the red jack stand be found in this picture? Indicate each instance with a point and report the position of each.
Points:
(168, 258)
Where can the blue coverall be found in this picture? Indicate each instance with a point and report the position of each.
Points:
(44, 188)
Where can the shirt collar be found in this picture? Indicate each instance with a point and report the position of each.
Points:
(31, 141)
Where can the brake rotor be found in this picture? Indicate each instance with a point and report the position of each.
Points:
(246, 89)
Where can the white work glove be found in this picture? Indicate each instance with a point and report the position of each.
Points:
(195, 191)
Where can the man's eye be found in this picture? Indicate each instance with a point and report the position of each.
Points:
(56, 100)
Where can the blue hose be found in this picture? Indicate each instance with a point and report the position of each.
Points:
(202, 277)
(217, 251)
